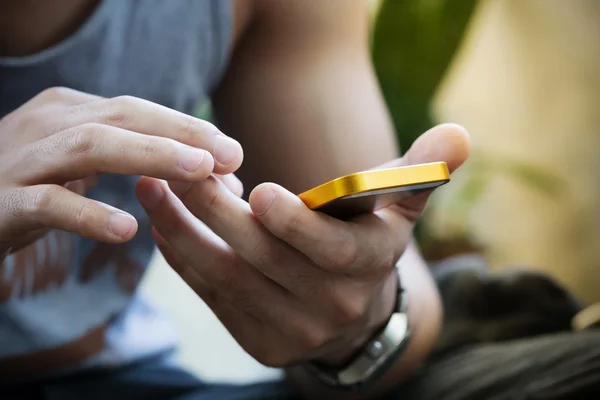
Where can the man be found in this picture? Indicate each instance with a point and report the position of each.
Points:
(292, 85)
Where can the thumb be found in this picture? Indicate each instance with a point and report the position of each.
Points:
(446, 142)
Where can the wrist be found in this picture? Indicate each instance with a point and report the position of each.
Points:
(383, 306)
(424, 316)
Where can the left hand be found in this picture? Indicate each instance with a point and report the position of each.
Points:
(291, 284)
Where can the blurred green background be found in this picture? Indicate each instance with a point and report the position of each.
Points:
(413, 45)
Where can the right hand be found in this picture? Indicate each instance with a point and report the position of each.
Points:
(53, 146)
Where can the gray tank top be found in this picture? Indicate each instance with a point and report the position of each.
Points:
(67, 302)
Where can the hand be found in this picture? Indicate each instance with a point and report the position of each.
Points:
(289, 283)
(52, 148)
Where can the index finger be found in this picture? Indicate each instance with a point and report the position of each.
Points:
(149, 118)
(364, 245)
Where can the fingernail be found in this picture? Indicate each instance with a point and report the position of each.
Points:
(190, 159)
(179, 188)
(264, 202)
(226, 150)
(120, 224)
(151, 195)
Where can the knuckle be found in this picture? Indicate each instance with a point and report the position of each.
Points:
(386, 260)
(126, 101)
(207, 195)
(81, 141)
(43, 201)
(312, 337)
(120, 111)
(226, 277)
(246, 301)
(265, 255)
(292, 226)
(187, 134)
(212, 203)
(266, 355)
(347, 310)
(194, 130)
(83, 214)
(56, 93)
(310, 280)
(207, 128)
(345, 254)
(149, 147)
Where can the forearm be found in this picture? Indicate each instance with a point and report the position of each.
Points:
(425, 318)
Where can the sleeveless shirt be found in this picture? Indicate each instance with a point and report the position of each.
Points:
(67, 302)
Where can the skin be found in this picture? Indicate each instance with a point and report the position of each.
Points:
(53, 147)
(290, 284)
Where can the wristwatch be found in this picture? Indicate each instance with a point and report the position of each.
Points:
(376, 357)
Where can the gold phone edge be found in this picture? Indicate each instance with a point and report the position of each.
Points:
(374, 180)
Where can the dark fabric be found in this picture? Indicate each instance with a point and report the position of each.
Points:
(558, 366)
(507, 336)
(485, 307)
(150, 380)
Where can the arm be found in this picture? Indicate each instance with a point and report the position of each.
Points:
(302, 99)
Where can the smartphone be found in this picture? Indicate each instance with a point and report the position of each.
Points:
(367, 191)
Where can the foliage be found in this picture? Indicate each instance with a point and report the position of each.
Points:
(414, 42)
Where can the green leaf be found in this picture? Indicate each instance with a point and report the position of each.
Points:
(414, 42)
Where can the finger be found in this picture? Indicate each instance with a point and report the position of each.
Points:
(231, 219)
(95, 148)
(446, 142)
(232, 183)
(320, 291)
(332, 244)
(53, 206)
(379, 237)
(43, 115)
(274, 342)
(323, 292)
(176, 262)
(81, 186)
(148, 118)
(243, 327)
(229, 180)
(59, 96)
(206, 254)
